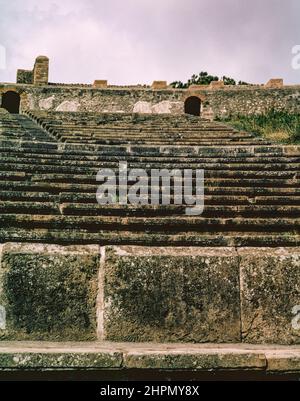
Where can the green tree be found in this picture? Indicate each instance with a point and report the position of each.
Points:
(203, 78)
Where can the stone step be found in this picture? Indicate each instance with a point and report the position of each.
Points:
(42, 207)
(22, 127)
(14, 196)
(98, 355)
(43, 171)
(61, 165)
(131, 129)
(61, 158)
(148, 210)
(148, 150)
(235, 189)
(168, 224)
(232, 181)
(113, 142)
(116, 237)
(84, 209)
(90, 198)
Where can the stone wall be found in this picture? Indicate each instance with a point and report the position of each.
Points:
(37, 76)
(105, 100)
(256, 100)
(24, 76)
(216, 102)
(155, 294)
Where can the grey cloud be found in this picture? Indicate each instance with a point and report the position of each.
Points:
(133, 41)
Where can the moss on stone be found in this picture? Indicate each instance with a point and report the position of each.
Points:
(171, 297)
(49, 295)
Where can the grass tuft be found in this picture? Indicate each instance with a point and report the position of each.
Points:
(277, 126)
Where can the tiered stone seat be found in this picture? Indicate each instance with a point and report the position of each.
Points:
(16, 126)
(135, 129)
(48, 189)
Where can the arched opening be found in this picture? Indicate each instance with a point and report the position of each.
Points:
(192, 105)
(11, 102)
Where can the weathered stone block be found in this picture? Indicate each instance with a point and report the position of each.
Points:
(24, 76)
(171, 294)
(100, 83)
(270, 290)
(198, 359)
(198, 87)
(216, 84)
(159, 85)
(274, 83)
(287, 360)
(48, 291)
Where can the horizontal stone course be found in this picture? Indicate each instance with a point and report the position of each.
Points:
(108, 355)
(159, 294)
(195, 294)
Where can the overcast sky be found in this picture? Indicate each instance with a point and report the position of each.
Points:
(138, 41)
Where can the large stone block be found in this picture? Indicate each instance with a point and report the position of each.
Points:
(24, 76)
(270, 293)
(216, 85)
(170, 294)
(100, 83)
(195, 357)
(48, 292)
(159, 85)
(274, 83)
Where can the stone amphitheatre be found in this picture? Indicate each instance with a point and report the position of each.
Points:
(89, 286)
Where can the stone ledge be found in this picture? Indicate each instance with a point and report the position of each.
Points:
(185, 294)
(108, 355)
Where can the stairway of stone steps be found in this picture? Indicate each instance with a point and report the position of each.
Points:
(131, 129)
(48, 187)
(20, 127)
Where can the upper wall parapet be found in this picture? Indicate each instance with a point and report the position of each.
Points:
(39, 76)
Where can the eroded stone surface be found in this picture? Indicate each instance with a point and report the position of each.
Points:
(46, 104)
(173, 295)
(270, 289)
(68, 105)
(48, 291)
(106, 355)
(195, 360)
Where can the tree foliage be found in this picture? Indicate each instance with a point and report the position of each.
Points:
(203, 78)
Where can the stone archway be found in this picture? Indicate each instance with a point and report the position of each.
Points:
(192, 105)
(11, 102)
